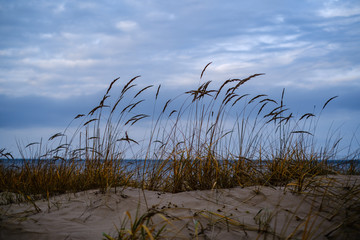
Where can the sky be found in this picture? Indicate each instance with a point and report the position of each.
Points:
(58, 57)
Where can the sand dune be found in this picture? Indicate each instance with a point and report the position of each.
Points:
(331, 210)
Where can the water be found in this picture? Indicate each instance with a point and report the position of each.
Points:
(133, 164)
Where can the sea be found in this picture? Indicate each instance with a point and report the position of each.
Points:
(343, 166)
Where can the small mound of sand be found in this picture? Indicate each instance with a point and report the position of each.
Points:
(329, 208)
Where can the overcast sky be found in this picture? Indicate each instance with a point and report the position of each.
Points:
(58, 57)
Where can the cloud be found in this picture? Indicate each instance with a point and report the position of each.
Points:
(127, 26)
(319, 76)
(65, 53)
(163, 40)
(279, 19)
(46, 35)
(18, 52)
(27, 82)
(334, 9)
(58, 63)
(256, 41)
(234, 66)
(336, 76)
(339, 12)
(60, 8)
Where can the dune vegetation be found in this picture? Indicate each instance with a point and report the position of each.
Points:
(206, 138)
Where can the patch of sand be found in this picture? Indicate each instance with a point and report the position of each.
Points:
(331, 210)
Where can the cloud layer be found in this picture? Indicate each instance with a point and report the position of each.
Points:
(70, 45)
(62, 50)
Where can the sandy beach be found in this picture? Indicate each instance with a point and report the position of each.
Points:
(328, 211)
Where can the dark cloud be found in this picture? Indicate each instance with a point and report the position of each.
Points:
(37, 111)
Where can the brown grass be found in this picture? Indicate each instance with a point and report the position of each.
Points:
(207, 142)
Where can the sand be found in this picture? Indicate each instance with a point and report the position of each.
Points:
(329, 211)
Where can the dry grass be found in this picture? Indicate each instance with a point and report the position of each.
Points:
(206, 138)
(213, 138)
